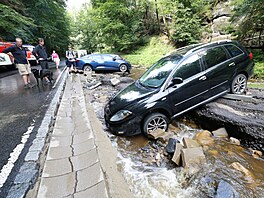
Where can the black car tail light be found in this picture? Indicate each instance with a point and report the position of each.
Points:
(250, 55)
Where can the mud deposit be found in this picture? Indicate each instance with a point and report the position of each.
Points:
(229, 170)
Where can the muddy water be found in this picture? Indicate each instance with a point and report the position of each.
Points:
(164, 179)
(149, 171)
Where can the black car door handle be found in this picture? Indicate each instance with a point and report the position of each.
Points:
(231, 64)
(203, 78)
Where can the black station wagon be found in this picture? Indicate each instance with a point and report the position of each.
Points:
(189, 77)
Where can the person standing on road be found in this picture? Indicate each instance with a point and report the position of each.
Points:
(56, 59)
(40, 53)
(20, 59)
(70, 56)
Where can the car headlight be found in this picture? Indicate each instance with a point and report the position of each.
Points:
(120, 115)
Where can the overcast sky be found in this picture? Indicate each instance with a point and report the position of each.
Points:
(76, 3)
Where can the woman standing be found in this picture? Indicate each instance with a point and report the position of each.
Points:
(56, 59)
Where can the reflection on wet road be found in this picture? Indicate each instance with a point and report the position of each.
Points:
(19, 109)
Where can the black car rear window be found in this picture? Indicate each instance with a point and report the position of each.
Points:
(215, 56)
(233, 50)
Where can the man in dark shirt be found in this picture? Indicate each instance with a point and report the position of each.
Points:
(20, 57)
(40, 53)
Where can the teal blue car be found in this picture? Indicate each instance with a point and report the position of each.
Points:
(102, 62)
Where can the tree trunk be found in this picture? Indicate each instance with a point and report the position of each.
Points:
(157, 15)
(165, 23)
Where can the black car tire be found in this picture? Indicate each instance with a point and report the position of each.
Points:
(87, 68)
(155, 121)
(239, 84)
(123, 68)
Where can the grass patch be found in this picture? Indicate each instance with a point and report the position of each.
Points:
(258, 58)
(258, 71)
(149, 54)
(256, 85)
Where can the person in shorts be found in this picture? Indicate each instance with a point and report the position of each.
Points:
(20, 59)
(71, 59)
(56, 58)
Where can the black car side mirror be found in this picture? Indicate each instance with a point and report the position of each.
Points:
(114, 58)
(177, 80)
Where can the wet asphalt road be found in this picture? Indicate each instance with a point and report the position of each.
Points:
(19, 109)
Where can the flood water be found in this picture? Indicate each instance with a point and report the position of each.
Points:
(167, 180)
(149, 171)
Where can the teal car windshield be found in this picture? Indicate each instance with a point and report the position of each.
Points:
(159, 72)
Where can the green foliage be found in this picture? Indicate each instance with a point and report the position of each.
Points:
(186, 26)
(258, 58)
(51, 23)
(31, 19)
(112, 25)
(147, 55)
(13, 23)
(259, 70)
(251, 16)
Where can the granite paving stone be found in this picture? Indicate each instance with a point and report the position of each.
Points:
(89, 177)
(59, 152)
(97, 191)
(83, 147)
(60, 141)
(32, 156)
(84, 160)
(56, 187)
(58, 167)
(83, 137)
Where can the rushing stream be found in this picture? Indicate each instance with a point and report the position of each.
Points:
(149, 171)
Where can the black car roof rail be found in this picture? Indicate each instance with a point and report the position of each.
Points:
(208, 45)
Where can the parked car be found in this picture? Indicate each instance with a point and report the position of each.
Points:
(31, 58)
(102, 62)
(5, 59)
(189, 77)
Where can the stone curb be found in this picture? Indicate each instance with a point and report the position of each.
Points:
(116, 184)
(29, 171)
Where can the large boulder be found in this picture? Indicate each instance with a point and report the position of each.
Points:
(220, 133)
(204, 138)
(170, 148)
(177, 154)
(226, 190)
(190, 143)
(192, 156)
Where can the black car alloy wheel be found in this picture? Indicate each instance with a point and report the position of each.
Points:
(155, 121)
(239, 84)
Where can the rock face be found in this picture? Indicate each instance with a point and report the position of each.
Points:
(220, 20)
